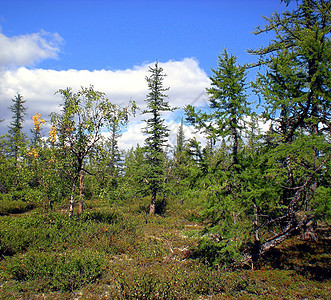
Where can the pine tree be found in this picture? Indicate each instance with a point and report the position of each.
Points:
(156, 131)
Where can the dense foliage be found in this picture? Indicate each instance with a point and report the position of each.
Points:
(247, 190)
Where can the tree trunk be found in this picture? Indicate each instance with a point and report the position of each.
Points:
(72, 201)
(256, 239)
(152, 206)
(235, 147)
(81, 188)
(259, 249)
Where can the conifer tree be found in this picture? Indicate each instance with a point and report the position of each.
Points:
(114, 153)
(296, 87)
(156, 131)
(36, 132)
(296, 91)
(17, 138)
(228, 101)
(180, 142)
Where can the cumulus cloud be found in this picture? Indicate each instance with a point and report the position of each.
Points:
(133, 134)
(187, 82)
(24, 50)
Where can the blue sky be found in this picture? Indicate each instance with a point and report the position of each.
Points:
(43, 40)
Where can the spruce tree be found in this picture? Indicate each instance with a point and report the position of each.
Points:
(17, 139)
(156, 131)
(180, 142)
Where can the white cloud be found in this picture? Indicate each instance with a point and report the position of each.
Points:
(187, 82)
(27, 49)
(133, 135)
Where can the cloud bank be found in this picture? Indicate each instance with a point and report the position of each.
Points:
(24, 50)
(186, 80)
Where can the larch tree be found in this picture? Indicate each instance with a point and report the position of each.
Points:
(296, 91)
(156, 131)
(227, 119)
(180, 140)
(228, 104)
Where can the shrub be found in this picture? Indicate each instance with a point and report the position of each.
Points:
(102, 216)
(56, 271)
(8, 206)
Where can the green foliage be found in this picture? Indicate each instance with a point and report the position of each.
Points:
(56, 271)
(9, 206)
(321, 203)
(238, 197)
(85, 114)
(227, 100)
(16, 137)
(156, 131)
(277, 181)
(56, 232)
(296, 87)
(128, 254)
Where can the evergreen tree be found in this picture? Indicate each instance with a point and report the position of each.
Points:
(180, 142)
(17, 139)
(288, 179)
(229, 105)
(156, 131)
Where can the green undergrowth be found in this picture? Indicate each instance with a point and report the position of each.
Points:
(309, 258)
(8, 206)
(118, 251)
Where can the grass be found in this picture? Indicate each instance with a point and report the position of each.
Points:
(120, 252)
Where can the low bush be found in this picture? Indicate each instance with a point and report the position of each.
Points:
(57, 232)
(56, 271)
(105, 215)
(8, 206)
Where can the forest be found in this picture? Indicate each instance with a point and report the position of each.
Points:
(244, 215)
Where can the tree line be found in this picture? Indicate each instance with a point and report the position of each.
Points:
(253, 188)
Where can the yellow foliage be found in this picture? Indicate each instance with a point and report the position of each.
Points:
(37, 121)
(33, 153)
(52, 134)
(70, 129)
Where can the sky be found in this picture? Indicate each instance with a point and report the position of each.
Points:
(50, 45)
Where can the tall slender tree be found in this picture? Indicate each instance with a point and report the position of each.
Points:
(17, 138)
(180, 142)
(156, 131)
